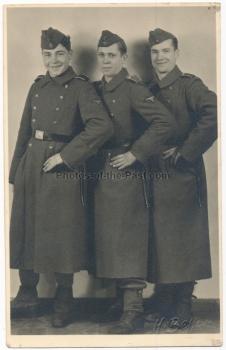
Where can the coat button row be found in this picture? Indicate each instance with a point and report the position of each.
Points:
(66, 86)
(33, 120)
(34, 107)
(36, 95)
(30, 144)
(61, 97)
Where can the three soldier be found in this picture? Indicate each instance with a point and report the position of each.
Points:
(128, 131)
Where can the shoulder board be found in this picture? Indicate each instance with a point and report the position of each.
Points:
(82, 77)
(39, 77)
(187, 75)
(133, 78)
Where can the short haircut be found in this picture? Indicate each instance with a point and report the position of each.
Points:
(122, 47)
(175, 43)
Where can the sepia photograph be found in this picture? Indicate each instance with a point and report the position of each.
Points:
(112, 175)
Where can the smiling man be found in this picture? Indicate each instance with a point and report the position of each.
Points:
(63, 123)
(179, 238)
(141, 125)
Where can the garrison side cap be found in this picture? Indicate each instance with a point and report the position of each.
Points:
(108, 38)
(51, 38)
(158, 35)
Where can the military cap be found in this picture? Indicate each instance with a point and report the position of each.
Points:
(108, 38)
(158, 35)
(51, 38)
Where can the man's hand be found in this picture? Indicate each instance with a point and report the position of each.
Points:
(173, 153)
(121, 161)
(52, 162)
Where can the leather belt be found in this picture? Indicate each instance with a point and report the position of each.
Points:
(112, 144)
(47, 136)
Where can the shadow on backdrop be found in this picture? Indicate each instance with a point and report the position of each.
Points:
(85, 60)
(141, 60)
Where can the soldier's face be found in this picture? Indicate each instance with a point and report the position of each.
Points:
(110, 60)
(164, 56)
(57, 60)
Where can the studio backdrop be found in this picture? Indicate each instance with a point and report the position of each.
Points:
(195, 28)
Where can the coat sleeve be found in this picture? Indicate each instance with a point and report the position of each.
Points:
(161, 121)
(24, 135)
(204, 103)
(98, 128)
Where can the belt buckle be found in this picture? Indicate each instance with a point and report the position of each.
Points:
(39, 134)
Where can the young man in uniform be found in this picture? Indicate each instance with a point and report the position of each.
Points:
(141, 124)
(63, 123)
(179, 238)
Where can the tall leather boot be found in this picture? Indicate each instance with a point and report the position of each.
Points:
(132, 319)
(26, 303)
(162, 303)
(114, 312)
(63, 307)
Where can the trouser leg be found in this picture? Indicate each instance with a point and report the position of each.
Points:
(184, 300)
(170, 300)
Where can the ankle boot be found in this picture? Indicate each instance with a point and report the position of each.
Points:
(26, 303)
(132, 319)
(63, 307)
(162, 303)
(183, 314)
(184, 301)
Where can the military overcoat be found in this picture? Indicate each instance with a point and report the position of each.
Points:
(141, 123)
(48, 222)
(179, 237)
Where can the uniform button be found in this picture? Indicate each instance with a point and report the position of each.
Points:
(30, 144)
(112, 114)
(109, 154)
(57, 109)
(50, 147)
(61, 97)
(170, 87)
(33, 120)
(36, 95)
(113, 101)
(66, 86)
(55, 122)
(168, 101)
(34, 107)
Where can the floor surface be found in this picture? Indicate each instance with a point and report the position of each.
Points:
(206, 320)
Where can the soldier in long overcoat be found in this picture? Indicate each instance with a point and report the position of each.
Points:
(141, 124)
(179, 238)
(63, 123)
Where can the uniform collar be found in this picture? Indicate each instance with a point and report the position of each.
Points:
(169, 79)
(61, 79)
(116, 80)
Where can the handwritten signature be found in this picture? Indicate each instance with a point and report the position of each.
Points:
(173, 325)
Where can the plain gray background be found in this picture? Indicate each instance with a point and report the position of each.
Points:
(195, 28)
